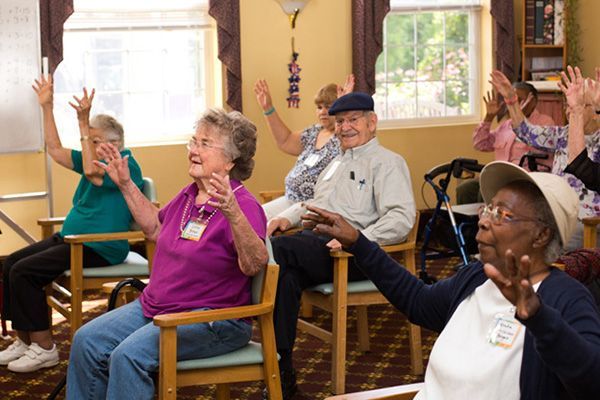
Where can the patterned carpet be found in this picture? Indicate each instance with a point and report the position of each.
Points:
(387, 364)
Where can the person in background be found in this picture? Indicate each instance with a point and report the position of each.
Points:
(502, 140)
(555, 138)
(511, 326)
(368, 184)
(98, 207)
(314, 146)
(209, 243)
(580, 163)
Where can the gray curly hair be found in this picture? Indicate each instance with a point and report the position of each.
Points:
(110, 126)
(239, 139)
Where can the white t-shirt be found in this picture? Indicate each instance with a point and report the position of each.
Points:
(464, 364)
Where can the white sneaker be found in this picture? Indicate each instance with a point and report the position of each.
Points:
(35, 358)
(13, 352)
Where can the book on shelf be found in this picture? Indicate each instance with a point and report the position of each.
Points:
(529, 21)
(539, 22)
(548, 21)
(559, 9)
(545, 86)
(546, 63)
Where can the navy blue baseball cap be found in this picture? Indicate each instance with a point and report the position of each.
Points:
(355, 101)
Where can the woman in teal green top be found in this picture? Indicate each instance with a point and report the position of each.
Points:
(98, 207)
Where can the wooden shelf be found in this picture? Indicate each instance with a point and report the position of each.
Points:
(542, 46)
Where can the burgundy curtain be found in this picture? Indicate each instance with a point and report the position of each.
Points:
(504, 37)
(367, 40)
(227, 15)
(52, 19)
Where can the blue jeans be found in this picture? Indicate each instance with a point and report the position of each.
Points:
(117, 353)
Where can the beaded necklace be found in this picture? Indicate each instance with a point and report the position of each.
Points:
(185, 217)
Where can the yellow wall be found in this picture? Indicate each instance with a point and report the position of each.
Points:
(323, 34)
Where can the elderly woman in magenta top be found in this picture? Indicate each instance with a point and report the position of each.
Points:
(209, 243)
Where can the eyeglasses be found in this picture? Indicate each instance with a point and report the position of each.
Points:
(500, 216)
(203, 145)
(352, 121)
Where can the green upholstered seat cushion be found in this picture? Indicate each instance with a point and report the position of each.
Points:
(133, 265)
(247, 355)
(353, 287)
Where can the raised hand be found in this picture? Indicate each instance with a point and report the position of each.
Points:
(593, 88)
(348, 86)
(113, 164)
(45, 90)
(492, 105)
(514, 282)
(223, 196)
(502, 85)
(263, 95)
(84, 105)
(573, 87)
(331, 224)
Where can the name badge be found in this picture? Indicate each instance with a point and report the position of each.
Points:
(311, 160)
(331, 170)
(504, 330)
(193, 230)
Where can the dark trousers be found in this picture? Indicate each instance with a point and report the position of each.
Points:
(304, 261)
(26, 272)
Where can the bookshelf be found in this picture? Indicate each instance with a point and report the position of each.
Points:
(544, 51)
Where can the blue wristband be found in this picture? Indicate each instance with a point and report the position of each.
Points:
(269, 111)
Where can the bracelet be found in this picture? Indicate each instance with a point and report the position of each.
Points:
(512, 100)
(84, 138)
(269, 111)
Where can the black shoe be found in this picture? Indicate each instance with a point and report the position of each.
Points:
(288, 385)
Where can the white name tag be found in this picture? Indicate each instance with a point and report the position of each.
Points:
(193, 230)
(331, 170)
(504, 330)
(312, 160)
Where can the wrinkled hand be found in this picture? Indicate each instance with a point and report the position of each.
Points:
(278, 224)
(223, 196)
(492, 104)
(573, 87)
(330, 224)
(45, 90)
(348, 86)
(113, 164)
(263, 95)
(502, 85)
(515, 285)
(593, 88)
(84, 105)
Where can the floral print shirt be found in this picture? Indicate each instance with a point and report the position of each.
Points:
(554, 138)
(300, 181)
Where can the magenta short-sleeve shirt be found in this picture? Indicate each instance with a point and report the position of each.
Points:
(188, 274)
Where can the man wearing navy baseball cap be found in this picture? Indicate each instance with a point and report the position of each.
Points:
(370, 187)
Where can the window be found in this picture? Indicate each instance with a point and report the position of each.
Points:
(152, 64)
(428, 70)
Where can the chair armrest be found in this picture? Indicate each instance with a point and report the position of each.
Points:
(105, 237)
(392, 248)
(195, 317)
(51, 221)
(268, 195)
(591, 221)
(402, 392)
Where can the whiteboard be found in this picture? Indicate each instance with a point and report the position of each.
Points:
(20, 115)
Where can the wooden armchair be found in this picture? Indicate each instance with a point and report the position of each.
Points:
(590, 225)
(268, 195)
(336, 297)
(255, 361)
(78, 278)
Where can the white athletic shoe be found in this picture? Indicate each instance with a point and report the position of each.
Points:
(35, 358)
(13, 352)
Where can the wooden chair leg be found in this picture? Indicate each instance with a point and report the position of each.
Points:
(306, 309)
(414, 331)
(338, 323)
(76, 287)
(223, 392)
(362, 328)
(167, 382)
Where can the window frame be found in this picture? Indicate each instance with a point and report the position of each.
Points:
(212, 67)
(475, 29)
